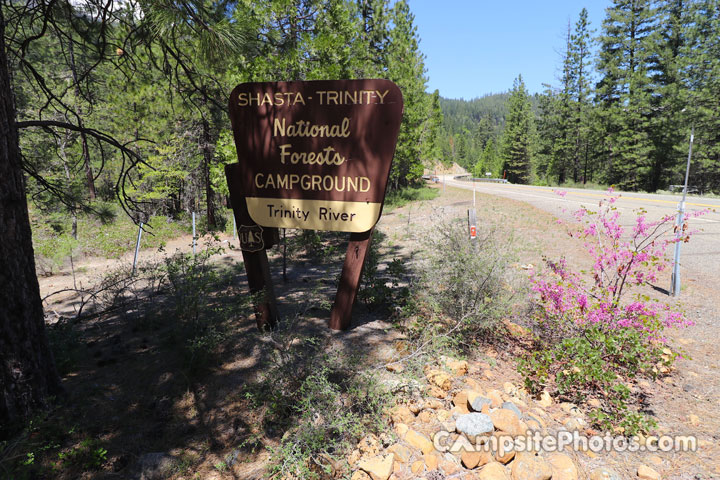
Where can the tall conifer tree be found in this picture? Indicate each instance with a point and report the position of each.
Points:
(517, 146)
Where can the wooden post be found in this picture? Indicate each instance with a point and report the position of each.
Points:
(254, 255)
(260, 283)
(358, 249)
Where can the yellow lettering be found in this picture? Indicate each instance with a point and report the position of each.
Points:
(283, 152)
(258, 177)
(350, 97)
(279, 128)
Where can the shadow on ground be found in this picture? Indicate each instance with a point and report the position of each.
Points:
(172, 372)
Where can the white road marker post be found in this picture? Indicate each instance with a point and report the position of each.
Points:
(137, 248)
(675, 287)
(472, 224)
(193, 220)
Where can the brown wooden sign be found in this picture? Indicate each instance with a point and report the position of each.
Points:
(313, 155)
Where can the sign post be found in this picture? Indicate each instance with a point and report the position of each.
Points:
(472, 223)
(312, 155)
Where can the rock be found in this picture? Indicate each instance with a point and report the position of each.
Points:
(379, 467)
(545, 400)
(475, 459)
(503, 456)
(528, 466)
(488, 374)
(594, 403)
(458, 367)
(563, 468)
(401, 452)
(478, 402)
(417, 466)
(156, 466)
(354, 457)
(443, 415)
(694, 420)
(449, 467)
(495, 397)
(369, 446)
(431, 461)
(570, 408)
(493, 471)
(460, 400)
(419, 441)
(401, 414)
(426, 416)
(395, 367)
(436, 392)
(360, 475)
(473, 424)
(572, 424)
(433, 403)
(440, 379)
(507, 421)
(509, 388)
(537, 418)
(473, 385)
(646, 473)
(515, 330)
(534, 425)
(401, 429)
(603, 473)
(513, 407)
(654, 459)
(415, 407)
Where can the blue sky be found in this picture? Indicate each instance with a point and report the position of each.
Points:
(479, 47)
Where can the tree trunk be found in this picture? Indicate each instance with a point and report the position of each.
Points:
(27, 370)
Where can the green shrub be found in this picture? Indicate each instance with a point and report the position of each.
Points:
(468, 281)
(399, 198)
(597, 364)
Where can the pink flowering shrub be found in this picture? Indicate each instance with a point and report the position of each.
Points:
(621, 261)
(596, 329)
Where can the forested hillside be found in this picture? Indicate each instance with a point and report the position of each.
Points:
(628, 95)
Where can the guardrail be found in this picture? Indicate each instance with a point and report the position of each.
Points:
(690, 189)
(468, 178)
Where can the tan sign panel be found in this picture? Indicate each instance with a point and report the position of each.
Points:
(317, 154)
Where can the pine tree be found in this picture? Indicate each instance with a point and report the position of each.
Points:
(624, 91)
(517, 139)
(430, 141)
(668, 96)
(406, 67)
(579, 52)
(701, 79)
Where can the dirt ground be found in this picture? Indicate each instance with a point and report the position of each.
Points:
(126, 381)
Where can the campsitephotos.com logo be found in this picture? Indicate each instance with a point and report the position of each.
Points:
(446, 441)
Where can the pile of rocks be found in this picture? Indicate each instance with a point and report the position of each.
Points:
(447, 433)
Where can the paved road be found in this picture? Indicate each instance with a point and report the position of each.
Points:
(699, 258)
